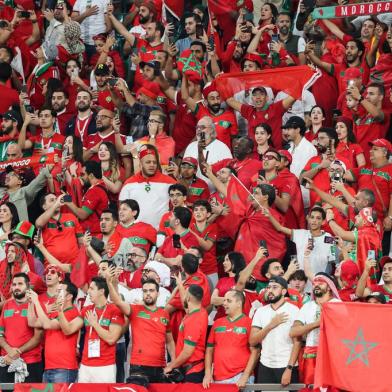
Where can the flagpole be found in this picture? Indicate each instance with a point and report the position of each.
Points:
(247, 190)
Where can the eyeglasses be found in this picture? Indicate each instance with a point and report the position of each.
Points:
(102, 116)
(152, 121)
(175, 195)
(51, 272)
(270, 158)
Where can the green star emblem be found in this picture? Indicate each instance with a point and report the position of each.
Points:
(355, 353)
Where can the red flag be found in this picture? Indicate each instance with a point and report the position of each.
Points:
(352, 353)
(79, 273)
(175, 7)
(291, 80)
(237, 196)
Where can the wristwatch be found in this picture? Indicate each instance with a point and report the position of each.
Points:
(290, 367)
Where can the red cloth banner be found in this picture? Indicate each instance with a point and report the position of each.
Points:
(237, 196)
(79, 272)
(353, 352)
(291, 80)
(34, 162)
(123, 388)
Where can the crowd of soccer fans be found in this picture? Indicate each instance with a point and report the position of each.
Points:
(154, 229)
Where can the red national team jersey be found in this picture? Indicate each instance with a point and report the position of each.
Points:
(15, 330)
(231, 348)
(209, 264)
(109, 314)
(164, 224)
(225, 123)
(193, 332)
(149, 329)
(197, 190)
(60, 348)
(51, 144)
(94, 138)
(140, 234)
(223, 286)
(168, 250)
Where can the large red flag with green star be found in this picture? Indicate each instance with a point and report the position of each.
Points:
(353, 352)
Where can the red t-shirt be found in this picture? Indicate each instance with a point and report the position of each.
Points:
(193, 332)
(230, 340)
(9, 97)
(225, 123)
(350, 152)
(60, 349)
(164, 224)
(379, 181)
(52, 144)
(270, 114)
(15, 330)
(168, 250)
(63, 243)
(140, 234)
(94, 201)
(94, 138)
(223, 286)
(209, 264)
(110, 314)
(197, 190)
(149, 329)
(339, 71)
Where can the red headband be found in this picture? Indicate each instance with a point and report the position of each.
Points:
(146, 151)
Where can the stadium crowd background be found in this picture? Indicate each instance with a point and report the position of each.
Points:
(169, 211)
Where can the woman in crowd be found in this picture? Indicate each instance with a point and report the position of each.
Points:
(9, 218)
(317, 117)
(263, 133)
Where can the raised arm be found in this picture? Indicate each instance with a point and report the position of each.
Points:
(247, 271)
(337, 230)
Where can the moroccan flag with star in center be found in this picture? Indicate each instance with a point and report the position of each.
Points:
(187, 62)
(353, 352)
(79, 272)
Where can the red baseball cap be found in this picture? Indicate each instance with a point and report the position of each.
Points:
(382, 143)
(384, 260)
(286, 154)
(191, 161)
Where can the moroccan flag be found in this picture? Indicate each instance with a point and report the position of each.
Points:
(79, 273)
(353, 354)
(175, 7)
(187, 62)
(237, 196)
(291, 80)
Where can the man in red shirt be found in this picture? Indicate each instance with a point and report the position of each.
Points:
(244, 164)
(197, 188)
(150, 331)
(104, 325)
(190, 347)
(62, 232)
(317, 167)
(9, 96)
(263, 112)
(175, 246)
(229, 359)
(206, 234)
(94, 201)
(224, 119)
(17, 338)
(377, 177)
(54, 276)
(61, 364)
(59, 105)
(141, 234)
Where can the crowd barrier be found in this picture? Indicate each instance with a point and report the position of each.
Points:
(151, 388)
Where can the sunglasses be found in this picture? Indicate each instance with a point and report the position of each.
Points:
(270, 158)
(51, 272)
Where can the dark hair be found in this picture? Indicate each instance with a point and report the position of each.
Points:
(14, 213)
(76, 61)
(133, 205)
(5, 72)
(284, 13)
(267, 190)
(61, 90)
(320, 107)
(160, 27)
(190, 263)
(274, 11)
(112, 212)
(24, 276)
(332, 134)
(151, 281)
(239, 295)
(178, 187)
(8, 50)
(298, 275)
(202, 203)
(47, 108)
(199, 249)
(350, 133)
(42, 199)
(360, 45)
(196, 292)
(77, 149)
(52, 85)
(369, 195)
(238, 263)
(71, 289)
(109, 262)
(320, 210)
(265, 267)
(101, 284)
(379, 86)
(268, 129)
(200, 43)
(183, 215)
(94, 168)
